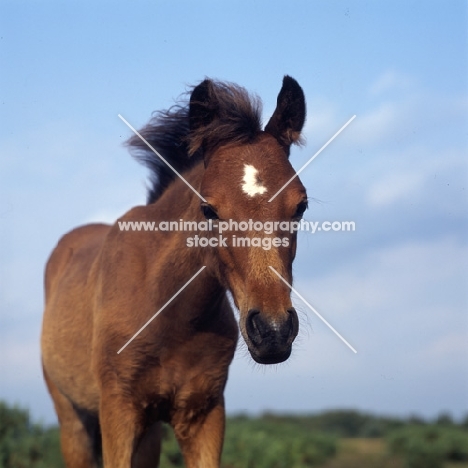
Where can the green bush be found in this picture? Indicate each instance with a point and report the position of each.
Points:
(429, 446)
(171, 457)
(454, 444)
(26, 445)
(266, 443)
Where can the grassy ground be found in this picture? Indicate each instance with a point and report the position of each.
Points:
(363, 453)
(369, 453)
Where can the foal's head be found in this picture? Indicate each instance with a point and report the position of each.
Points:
(244, 167)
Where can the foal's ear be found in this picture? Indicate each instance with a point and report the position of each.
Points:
(203, 110)
(288, 119)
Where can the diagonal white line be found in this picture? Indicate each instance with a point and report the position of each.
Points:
(161, 309)
(157, 154)
(312, 158)
(314, 311)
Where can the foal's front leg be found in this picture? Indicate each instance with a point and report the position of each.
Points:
(201, 440)
(121, 428)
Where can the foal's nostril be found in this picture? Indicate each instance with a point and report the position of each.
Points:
(253, 326)
(293, 322)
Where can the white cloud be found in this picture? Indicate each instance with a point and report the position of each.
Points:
(20, 360)
(379, 124)
(400, 120)
(321, 120)
(394, 187)
(411, 173)
(20, 275)
(445, 352)
(391, 80)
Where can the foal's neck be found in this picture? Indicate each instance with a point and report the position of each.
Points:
(182, 261)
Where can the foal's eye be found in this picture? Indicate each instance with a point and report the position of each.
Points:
(208, 211)
(301, 207)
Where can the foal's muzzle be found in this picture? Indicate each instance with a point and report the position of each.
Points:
(270, 338)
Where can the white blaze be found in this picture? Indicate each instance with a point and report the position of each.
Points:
(251, 185)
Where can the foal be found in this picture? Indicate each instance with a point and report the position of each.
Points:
(103, 283)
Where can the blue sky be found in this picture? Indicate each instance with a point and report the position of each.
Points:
(395, 288)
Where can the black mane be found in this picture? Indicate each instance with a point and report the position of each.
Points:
(168, 132)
